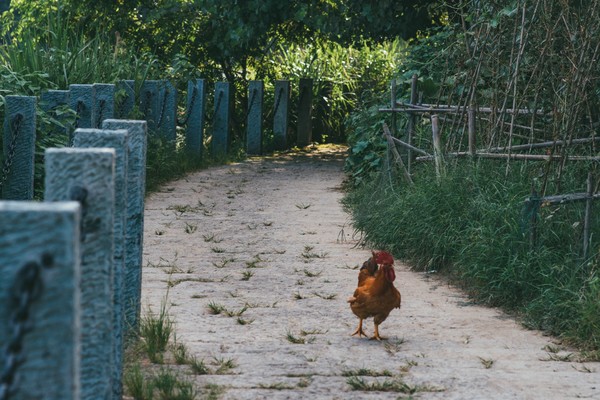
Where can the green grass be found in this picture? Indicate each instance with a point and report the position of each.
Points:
(156, 330)
(477, 233)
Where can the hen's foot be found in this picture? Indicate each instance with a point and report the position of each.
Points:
(359, 332)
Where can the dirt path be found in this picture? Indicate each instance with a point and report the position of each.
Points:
(262, 239)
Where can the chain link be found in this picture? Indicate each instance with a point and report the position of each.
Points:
(162, 108)
(15, 128)
(190, 107)
(100, 112)
(254, 91)
(26, 289)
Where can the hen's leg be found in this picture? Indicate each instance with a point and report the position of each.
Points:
(376, 335)
(359, 331)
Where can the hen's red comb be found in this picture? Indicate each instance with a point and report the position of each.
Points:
(383, 257)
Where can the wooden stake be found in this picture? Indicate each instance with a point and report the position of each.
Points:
(397, 158)
(471, 116)
(437, 146)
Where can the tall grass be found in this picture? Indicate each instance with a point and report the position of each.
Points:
(472, 226)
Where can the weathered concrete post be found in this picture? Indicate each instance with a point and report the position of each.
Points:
(16, 175)
(125, 99)
(40, 244)
(104, 103)
(305, 112)
(149, 104)
(254, 121)
(49, 102)
(167, 118)
(221, 120)
(82, 100)
(196, 103)
(134, 229)
(117, 140)
(88, 176)
(281, 114)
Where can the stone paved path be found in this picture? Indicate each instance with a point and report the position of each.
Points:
(268, 242)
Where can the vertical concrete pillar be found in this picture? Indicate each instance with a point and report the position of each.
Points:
(117, 140)
(196, 104)
(41, 241)
(125, 99)
(167, 118)
(134, 226)
(281, 114)
(18, 146)
(149, 104)
(254, 121)
(49, 102)
(104, 103)
(88, 176)
(305, 112)
(82, 100)
(221, 120)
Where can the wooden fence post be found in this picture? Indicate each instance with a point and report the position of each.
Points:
(305, 112)
(134, 230)
(254, 117)
(40, 241)
(117, 140)
(88, 176)
(16, 175)
(221, 120)
(82, 100)
(412, 119)
(281, 114)
(437, 147)
(104, 103)
(49, 102)
(196, 103)
(588, 216)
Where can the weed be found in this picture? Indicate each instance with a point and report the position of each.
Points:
(325, 296)
(156, 331)
(276, 386)
(486, 362)
(199, 296)
(211, 237)
(217, 250)
(303, 383)
(224, 366)
(392, 346)
(235, 313)
(302, 206)
(159, 232)
(213, 391)
(170, 386)
(312, 274)
(190, 228)
(180, 353)
(223, 263)
(366, 372)
(298, 296)
(136, 385)
(198, 367)
(298, 340)
(173, 283)
(215, 309)
(395, 385)
(243, 321)
(313, 332)
(246, 275)
(300, 282)
(558, 357)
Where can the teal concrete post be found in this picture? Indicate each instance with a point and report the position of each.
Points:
(50, 101)
(221, 121)
(281, 114)
(305, 112)
(18, 146)
(196, 104)
(88, 176)
(104, 103)
(150, 104)
(125, 98)
(167, 119)
(41, 240)
(134, 227)
(254, 121)
(117, 140)
(82, 100)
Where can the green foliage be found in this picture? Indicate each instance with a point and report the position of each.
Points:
(471, 226)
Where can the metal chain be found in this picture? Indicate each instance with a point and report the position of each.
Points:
(12, 148)
(162, 108)
(80, 194)
(277, 101)
(190, 107)
(254, 91)
(218, 105)
(100, 112)
(26, 289)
